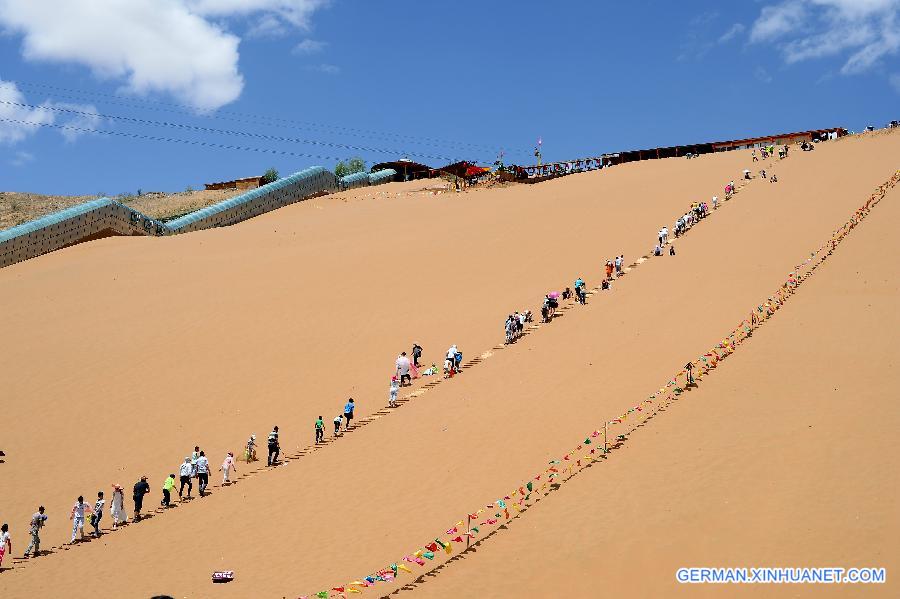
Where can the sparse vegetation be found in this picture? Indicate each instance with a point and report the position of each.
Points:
(354, 165)
(270, 176)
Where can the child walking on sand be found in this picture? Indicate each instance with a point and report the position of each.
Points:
(337, 424)
(227, 467)
(320, 430)
(395, 387)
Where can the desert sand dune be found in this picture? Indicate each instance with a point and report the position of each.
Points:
(280, 318)
(206, 338)
(784, 457)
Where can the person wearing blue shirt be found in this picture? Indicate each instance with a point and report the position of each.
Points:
(579, 290)
(348, 412)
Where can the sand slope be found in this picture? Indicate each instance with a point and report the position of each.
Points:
(784, 457)
(357, 281)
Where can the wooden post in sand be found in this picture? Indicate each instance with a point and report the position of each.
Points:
(605, 426)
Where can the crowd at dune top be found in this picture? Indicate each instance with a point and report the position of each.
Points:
(196, 467)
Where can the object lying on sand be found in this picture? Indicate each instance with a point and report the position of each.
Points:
(226, 576)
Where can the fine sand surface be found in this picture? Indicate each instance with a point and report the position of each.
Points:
(127, 352)
(784, 457)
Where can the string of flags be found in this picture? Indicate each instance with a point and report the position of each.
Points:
(596, 443)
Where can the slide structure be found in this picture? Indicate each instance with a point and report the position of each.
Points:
(104, 217)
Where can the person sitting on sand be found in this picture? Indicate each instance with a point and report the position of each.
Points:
(657, 251)
(672, 250)
(604, 284)
(746, 173)
(774, 179)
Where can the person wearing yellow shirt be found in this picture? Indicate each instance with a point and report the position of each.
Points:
(168, 486)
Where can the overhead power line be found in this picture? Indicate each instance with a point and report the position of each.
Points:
(263, 119)
(202, 129)
(193, 142)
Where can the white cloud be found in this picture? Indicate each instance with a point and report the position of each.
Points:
(21, 158)
(84, 119)
(308, 46)
(867, 30)
(295, 12)
(267, 26)
(18, 122)
(733, 31)
(20, 118)
(154, 46)
(776, 21)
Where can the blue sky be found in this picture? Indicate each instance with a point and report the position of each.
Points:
(311, 81)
